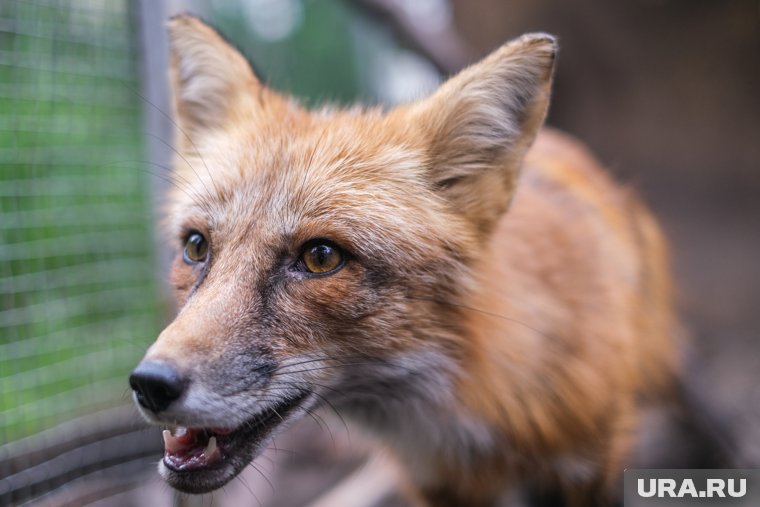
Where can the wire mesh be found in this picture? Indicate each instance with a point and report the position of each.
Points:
(78, 297)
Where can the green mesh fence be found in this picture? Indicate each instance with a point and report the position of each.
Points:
(78, 297)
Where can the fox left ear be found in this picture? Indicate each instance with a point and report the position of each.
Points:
(210, 79)
(480, 123)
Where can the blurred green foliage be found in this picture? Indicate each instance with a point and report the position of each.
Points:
(315, 62)
(78, 296)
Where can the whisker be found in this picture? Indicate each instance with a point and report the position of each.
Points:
(333, 366)
(180, 129)
(321, 423)
(483, 312)
(169, 180)
(180, 155)
(263, 475)
(322, 359)
(169, 170)
(327, 402)
(343, 421)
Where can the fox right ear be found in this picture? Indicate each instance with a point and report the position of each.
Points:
(479, 124)
(209, 78)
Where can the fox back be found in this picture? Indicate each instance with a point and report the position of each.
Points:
(479, 295)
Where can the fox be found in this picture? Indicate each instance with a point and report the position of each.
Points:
(468, 286)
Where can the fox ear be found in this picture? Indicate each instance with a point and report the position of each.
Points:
(480, 123)
(209, 77)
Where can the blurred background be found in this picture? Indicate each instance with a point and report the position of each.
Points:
(665, 92)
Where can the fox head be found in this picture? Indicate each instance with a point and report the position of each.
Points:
(321, 255)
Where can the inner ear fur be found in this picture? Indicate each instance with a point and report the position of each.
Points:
(480, 123)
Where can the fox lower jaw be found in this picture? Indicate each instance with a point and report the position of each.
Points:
(205, 458)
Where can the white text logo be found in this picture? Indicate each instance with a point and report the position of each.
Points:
(670, 488)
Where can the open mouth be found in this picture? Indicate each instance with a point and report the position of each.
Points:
(188, 449)
(199, 460)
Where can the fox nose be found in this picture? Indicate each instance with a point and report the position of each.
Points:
(156, 385)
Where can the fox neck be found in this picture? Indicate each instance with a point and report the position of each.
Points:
(413, 409)
(475, 385)
(425, 405)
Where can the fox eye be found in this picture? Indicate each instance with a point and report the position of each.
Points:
(320, 257)
(196, 248)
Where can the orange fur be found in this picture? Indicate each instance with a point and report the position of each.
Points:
(500, 345)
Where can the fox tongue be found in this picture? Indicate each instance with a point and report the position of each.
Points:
(189, 449)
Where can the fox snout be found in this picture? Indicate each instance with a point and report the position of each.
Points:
(156, 384)
(180, 381)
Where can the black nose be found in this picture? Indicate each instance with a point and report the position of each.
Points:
(156, 385)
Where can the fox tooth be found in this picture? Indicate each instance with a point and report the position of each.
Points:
(211, 447)
(170, 443)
